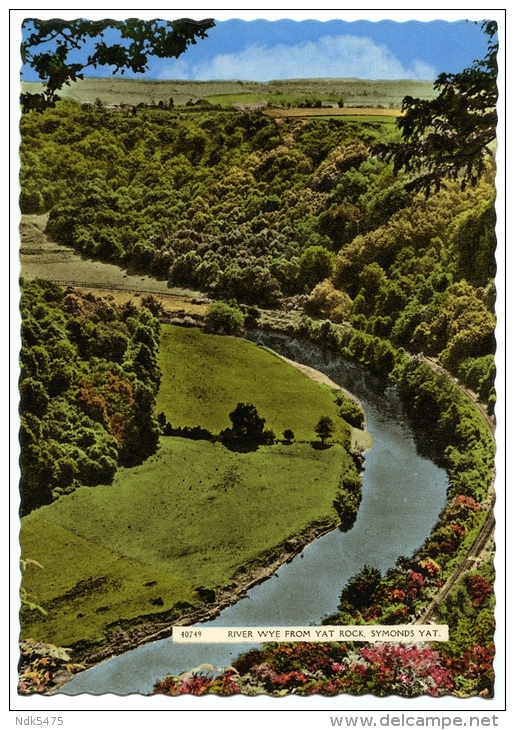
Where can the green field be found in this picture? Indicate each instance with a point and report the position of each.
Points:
(216, 372)
(227, 100)
(193, 515)
(117, 90)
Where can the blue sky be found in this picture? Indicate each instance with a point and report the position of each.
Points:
(263, 50)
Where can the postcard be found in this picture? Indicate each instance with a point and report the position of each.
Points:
(261, 270)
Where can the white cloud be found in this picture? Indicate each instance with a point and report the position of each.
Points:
(424, 71)
(342, 56)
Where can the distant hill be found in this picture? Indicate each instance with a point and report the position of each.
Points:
(353, 92)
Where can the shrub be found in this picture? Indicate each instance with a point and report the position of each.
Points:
(324, 428)
(224, 319)
(352, 413)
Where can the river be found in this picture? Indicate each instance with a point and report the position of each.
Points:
(403, 494)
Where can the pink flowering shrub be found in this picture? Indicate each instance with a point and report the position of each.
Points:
(401, 614)
(385, 669)
(473, 669)
(429, 568)
(283, 658)
(372, 613)
(461, 507)
(397, 595)
(407, 670)
(458, 530)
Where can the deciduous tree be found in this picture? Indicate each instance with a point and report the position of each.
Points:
(50, 47)
(248, 429)
(224, 319)
(453, 135)
(324, 428)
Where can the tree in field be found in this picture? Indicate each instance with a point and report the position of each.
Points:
(324, 428)
(248, 429)
(453, 135)
(50, 47)
(288, 435)
(246, 421)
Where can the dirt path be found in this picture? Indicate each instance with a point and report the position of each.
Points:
(41, 258)
(485, 540)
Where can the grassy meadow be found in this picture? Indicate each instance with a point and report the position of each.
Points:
(194, 514)
(215, 373)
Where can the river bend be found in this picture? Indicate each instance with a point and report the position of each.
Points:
(403, 494)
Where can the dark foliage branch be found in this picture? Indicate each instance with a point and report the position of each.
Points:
(451, 136)
(140, 39)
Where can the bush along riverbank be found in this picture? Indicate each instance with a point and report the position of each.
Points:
(463, 666)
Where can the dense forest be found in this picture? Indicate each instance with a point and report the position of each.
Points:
(88, 383)
(248, 208)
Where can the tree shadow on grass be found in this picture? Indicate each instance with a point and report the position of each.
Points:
(242, 446)
(319, 446)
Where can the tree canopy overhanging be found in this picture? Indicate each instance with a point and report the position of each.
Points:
(48, 45)
(451, 136)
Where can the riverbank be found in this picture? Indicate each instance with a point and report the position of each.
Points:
(361, 439)
(160, 553)
(125, 640)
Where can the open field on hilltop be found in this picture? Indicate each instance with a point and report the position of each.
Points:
(350, 114)
(354, 92)
(194, 514)
(216, 372)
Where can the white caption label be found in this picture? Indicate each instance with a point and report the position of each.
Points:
(257, 634)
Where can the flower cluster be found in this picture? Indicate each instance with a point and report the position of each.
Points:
(327, 669)
(429, 568)
(197, 683)
(479, 588)
(473, 669)
(408, 670)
